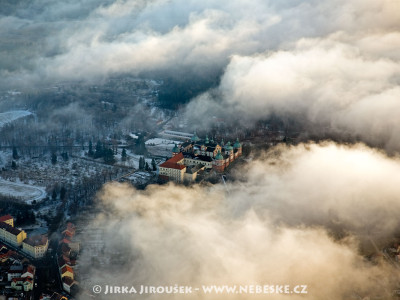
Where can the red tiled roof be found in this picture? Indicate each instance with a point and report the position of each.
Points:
(170, 165)
(6, 218)
(70, 230)
(21, 279)
(64, 241)
(30, 269)
(8, 254)
(68, 233)
(66, 269)
(4, 255)
(176, 158)
(172, 162)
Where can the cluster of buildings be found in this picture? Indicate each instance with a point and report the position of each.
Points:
(67, 253)
(17, 275)
(10, 234)
(196, 155)
(35, 246)
(21, 277)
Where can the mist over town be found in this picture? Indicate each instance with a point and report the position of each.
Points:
(168, 149)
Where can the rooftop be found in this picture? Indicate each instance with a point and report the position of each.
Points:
(61, 262)
(65, 241)
(172, 163)
(68, 280)
(194, 169)
(6, 218)
(57, 296)
(66, 269)
(176, 158)
(65, 248)
(30, 269)
(205, 158)
(9, 228)
(18, 279)
(38, 240)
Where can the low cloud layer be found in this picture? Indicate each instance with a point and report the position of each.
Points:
(299, 215)
(91, 40)
(332, 65)
(277, 225)
(328, 84)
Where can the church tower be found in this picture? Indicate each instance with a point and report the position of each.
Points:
(175, 150)
(238, 146)
(219, 163)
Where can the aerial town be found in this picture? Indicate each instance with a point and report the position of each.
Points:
(199, 150)
(49, 192)
(22, 255)
(45, 197)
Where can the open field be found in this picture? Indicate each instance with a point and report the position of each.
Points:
(25, 193)
(160, 146)
(7, 117)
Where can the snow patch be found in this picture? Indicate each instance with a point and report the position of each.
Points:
(8, 117)
(26, 193)
(163, 142)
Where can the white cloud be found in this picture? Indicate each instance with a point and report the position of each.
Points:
(275, 226)
(328, 82)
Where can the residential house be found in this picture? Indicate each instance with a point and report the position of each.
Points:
(28, 272)
(68, 284)
(15, 271)
(70, 230)
(11, 235)
(36, 246)
(7, 219)
(22, 284)
(67, 271)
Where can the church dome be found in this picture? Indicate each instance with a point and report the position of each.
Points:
(237, 144)
(195, 138)
(228, 146)
(219, 156)
(175, 149)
